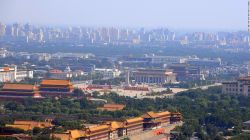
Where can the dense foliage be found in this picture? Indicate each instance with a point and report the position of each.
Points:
(243, 136)
(207, 114)
(171, 50)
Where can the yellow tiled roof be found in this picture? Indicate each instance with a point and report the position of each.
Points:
(98, 127)
(62, 136)
(34, 123)
(24, 127)
(150, 114)
(29, 125)
(25, 122)
(134, 119)
(163, 113)
(75, 134)
(18, 87)
(56, 82)
(114, 106)
(115, 125)
(111, 107)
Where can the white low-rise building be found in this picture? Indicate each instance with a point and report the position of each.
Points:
(58, 74)
(66, 74)
(11, 74)
(108, 73)
(22, 74)
(167, 59)
(7, 74)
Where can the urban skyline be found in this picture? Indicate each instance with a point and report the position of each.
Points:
(29, 33)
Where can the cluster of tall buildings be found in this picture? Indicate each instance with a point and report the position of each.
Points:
(30, 33)
(21, 32)
(118, 36)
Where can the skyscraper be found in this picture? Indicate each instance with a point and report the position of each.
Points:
(2, 29)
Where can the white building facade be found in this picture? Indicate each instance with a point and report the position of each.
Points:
(11, 74)
(108, 73)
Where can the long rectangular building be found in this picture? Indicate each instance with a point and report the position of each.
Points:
(154, 76)
(30, 125)
(119, 129)
(17, 91)
(133, 125)
(7, 74)
(239, 87)
(11, 74)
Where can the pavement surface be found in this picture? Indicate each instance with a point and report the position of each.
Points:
(150, 135)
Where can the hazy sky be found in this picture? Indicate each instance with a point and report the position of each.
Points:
(175, 14)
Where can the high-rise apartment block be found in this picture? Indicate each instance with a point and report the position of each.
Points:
(2, 29)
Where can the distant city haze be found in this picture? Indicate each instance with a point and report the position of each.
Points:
(174, 14)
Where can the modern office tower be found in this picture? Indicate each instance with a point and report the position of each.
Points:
(27, 27)
(2, 29)
(40, 35)
(10, 30)
(16, 30)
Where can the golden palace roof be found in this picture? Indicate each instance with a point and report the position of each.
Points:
(115, 125)
(70, 135)
(114, 106)
(18, 87)
(25, 122)
(77, 133)
(46, 124)
(163, 113)
(61, 136)
(55, 82)
(98, 127)
(24, 127)
(150, 114)
(29, 125)
(134, 119)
